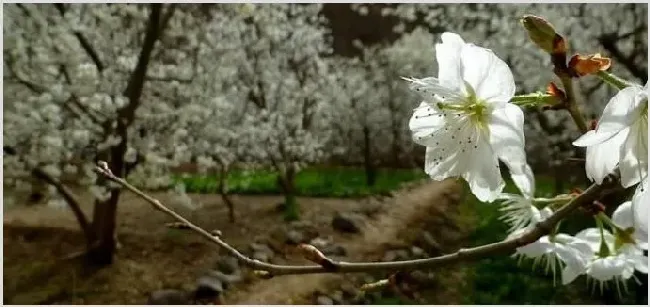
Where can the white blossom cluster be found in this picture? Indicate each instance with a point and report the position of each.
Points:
(497, 27)
(468, 124)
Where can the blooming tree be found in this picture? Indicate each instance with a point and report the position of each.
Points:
(371, 99)
(284, 78)
(79, 73)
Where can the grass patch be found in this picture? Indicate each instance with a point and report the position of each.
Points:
(315, 182)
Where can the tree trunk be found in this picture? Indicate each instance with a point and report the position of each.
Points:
(367, 158)
(105, 212)
(291, 208)
(223, 191)
(104, 222)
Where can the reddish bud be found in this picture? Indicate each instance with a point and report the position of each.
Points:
(582, 65)
(555, 91)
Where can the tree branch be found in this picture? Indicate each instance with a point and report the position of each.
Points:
(134, 88)
(69, 198)
(85, 44)
(503, 247)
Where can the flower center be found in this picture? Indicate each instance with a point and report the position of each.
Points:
(476, 109)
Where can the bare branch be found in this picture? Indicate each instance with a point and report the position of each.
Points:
(35, 88)
(135, 85)
(69, 198)
(85, 44)
(503, 247)
(75, 100)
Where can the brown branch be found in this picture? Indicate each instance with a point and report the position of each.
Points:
(167, 16)
(268, 269)
(570, 103)
(69, 198)
(134, 88)
(35, 88)
(85, 44)
(75, 100)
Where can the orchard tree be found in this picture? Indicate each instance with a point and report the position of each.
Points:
(79, 72)
(370, 102)
(284, 76)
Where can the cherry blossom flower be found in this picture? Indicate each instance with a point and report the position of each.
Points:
(620, 138)
(466, 122)
(606, 261)
(624, 217)
(520, 211)
(552, 249)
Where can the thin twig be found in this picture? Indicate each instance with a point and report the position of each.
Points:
(572, 103)
(503, 247)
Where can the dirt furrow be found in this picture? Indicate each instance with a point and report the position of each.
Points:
(405, 209)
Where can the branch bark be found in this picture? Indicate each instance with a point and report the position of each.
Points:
(492, 249)
(85, 44)
(70, 199)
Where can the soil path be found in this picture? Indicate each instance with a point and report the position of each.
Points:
(404, 209)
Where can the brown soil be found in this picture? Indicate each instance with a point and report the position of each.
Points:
(152, 257)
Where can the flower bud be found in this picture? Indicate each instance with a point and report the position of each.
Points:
(542, 33)
(590, 64)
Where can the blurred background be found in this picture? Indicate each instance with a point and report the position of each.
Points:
(276, 124)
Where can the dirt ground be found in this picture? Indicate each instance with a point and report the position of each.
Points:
(153, 257)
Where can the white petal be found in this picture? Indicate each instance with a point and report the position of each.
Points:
(507, 134)
(450, 147)
(461, 149)
(525, 181)
(640, 202)
(641, 263)
(592, 237)
(571, 257)
(432, 90)
(622, 110)
(593, 137)
(448, 57)
(623, 216)
(426, 120)
(603, 158)
(570, 273)
(507, 139)
(634, 154)
(536, 249)
(483, 174)
(606, 268)
(489, 76)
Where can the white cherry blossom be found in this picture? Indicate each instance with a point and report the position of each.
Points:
(624, 218)
(466, 121)
(552, 249)
(620, 138)
(606, 261)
